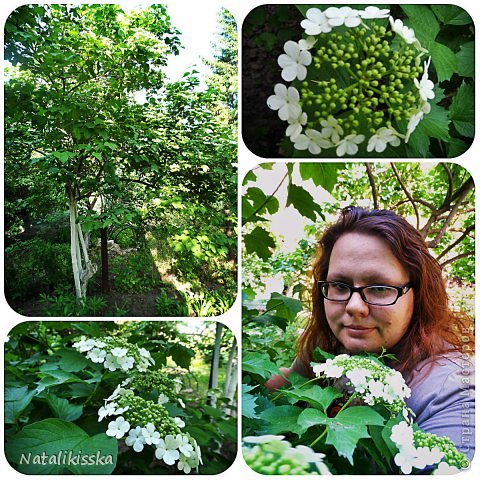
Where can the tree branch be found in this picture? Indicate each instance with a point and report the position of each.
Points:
(460, 195)
(407, 193)
(457, 241)
(372, 185)
(457, 257)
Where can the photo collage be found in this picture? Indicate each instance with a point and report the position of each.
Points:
(239, 238)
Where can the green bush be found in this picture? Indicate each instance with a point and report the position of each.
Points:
(170, 307)
(134, 273)
(36, 266)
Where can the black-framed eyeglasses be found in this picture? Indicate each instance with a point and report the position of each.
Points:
(372, 294)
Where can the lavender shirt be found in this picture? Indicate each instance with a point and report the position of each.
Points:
(442, 398)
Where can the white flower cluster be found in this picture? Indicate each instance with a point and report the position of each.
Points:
(271, 454)
(297, 57)
(171, 447)
(408, 456)
(114, 353)
(376, 383)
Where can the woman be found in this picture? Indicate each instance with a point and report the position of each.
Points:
(376, 287)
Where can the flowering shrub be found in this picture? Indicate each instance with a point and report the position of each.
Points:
(358, 82)
(142, 421)
(417, 449)
(363, 73)
(67, 414)
(114, 353)
(353, 414)
(369, 380)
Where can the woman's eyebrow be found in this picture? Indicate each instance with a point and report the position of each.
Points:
(367, 279)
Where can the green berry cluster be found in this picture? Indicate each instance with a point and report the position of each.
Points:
(153, 380)
(374, 79)
(451, 455)
(268, 463)
(141, 412)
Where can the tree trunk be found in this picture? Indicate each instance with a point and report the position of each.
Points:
(231, 376)
(213, 382)
(83, 269)
(230, 370)
(104, 254)
(74, 250)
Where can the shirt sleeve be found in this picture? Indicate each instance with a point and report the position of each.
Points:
(443, 400)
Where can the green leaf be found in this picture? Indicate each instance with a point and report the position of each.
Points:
(249, 404)
(267, 319)
(322, 174)
(423, 21)
(418, 144)
(255, 202)
(311, 417)
(260, 364)
(376, 436)
(260, 242)
(285, 307)
(456, 147)
(282, 419)
(435, 124)
(443, 59)
(16, 400)
(315, 395)
(462, 111)
(50, 378)
(53, 440)
(63, 156)
(249, 177)
(303, 202)
(345, 436)
(466, 60)
(181, 355)
(63, 409)
(362, 415)
(72, 361)
(346, 429)
(451, 14)
(320, 355)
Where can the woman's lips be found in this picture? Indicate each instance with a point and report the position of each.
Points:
(358, 331)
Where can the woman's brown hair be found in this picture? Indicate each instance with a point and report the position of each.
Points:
(434, 329)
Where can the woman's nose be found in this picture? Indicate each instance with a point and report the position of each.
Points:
(356, 305)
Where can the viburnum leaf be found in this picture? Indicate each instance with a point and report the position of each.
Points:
(282, 419)
(462, 111)
(54, 439)
(259, 241)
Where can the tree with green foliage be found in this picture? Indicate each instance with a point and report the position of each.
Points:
(71, 98)
(92, 123)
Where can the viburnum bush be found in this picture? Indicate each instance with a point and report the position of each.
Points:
(119, 398)
(351, 418)
(360, 82)
(140, 421)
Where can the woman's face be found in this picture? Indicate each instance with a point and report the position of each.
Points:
(358, 260)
